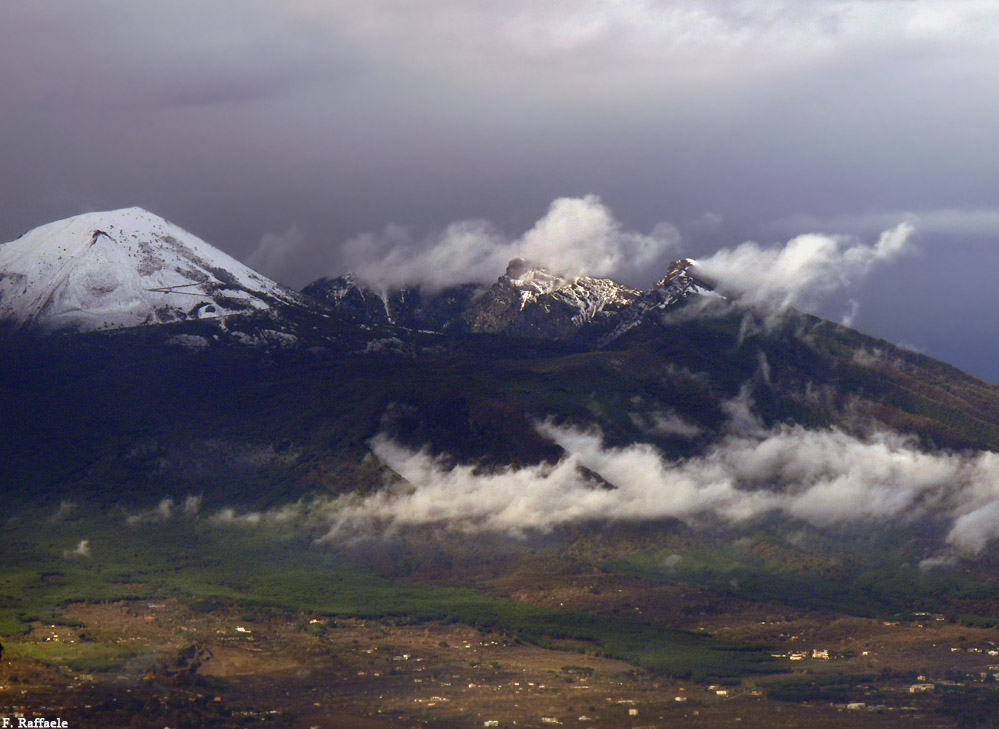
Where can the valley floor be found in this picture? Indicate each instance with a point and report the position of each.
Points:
(186, 622)
(233, 668)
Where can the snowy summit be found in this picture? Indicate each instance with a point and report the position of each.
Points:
(124, 268)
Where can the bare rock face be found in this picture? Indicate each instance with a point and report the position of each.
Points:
(682, 281)
(352, 300)
(536, 303)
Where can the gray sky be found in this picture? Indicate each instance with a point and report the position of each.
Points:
(292, 133)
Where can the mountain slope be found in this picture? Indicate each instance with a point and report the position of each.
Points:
(125, 268)
(409, 308)
(119, 416)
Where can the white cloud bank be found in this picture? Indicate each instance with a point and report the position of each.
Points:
(807, 267)
(581, 236)
(823, 477)
(576, 236)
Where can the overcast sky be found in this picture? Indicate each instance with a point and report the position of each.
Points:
(294, 132)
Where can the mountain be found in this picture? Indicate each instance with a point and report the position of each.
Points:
(126, 268)
(129, 268)
(466, 372)
(527, 302)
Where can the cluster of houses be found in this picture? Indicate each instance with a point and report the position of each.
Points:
(820, 654)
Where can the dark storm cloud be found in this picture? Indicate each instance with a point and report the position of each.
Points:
(243, 119)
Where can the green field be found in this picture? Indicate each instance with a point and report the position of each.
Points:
(873, 574)
(209, 565)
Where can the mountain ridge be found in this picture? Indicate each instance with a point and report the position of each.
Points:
(527, 301)
(466, 372)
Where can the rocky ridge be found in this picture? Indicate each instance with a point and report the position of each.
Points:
(526, 302)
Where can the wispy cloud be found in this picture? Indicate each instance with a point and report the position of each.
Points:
(165, 510)
(581, 236)
(664, 423)
(280, 255)
(946, 221)
(82, 549)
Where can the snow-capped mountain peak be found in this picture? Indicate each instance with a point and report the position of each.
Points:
(533, 281)
(684, 277)
(124, 268)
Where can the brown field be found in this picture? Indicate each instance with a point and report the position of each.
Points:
(247, 668)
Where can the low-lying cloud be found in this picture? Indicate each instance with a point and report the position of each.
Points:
(664, 423)
(165, 510)
(82, 549)
(823, 477)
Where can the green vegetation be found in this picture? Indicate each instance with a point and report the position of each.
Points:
(89, 657)
(208, 565)
(317, 629)
(838, 688)
(970, 706)
(11, 623)
(864, 575)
